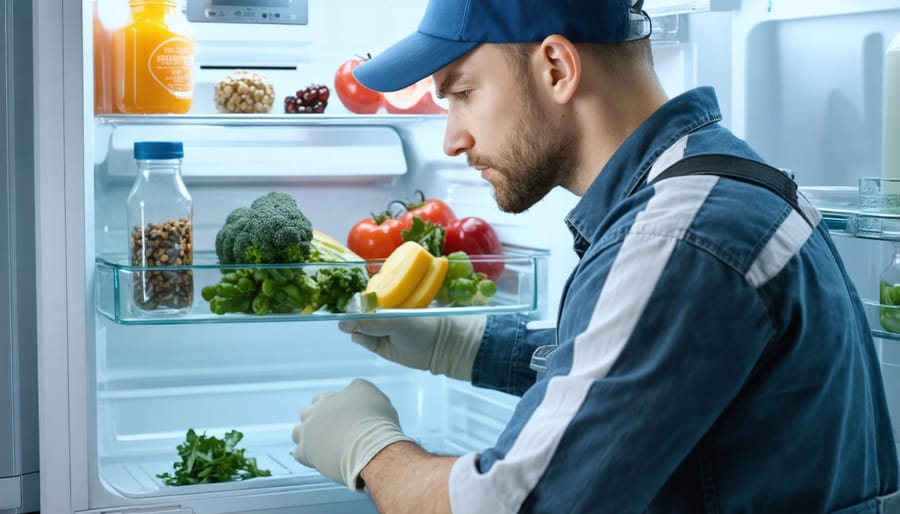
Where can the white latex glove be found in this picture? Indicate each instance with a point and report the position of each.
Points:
(340, 432)
(444, 345)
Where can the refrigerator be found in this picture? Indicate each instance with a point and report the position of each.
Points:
(18, 358)
(802, 80)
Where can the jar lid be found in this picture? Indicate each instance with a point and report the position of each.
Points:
(144, 150)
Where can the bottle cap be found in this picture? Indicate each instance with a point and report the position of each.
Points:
(144, 150)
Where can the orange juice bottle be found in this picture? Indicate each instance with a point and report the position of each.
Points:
(153, 60)
(103, 103)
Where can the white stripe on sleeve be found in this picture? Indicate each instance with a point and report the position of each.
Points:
(782, 246)
(629, 285)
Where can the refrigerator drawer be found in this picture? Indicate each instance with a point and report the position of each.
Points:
(519, 289)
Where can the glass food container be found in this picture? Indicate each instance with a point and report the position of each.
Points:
(160, 215)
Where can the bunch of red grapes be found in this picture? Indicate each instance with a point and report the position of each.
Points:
(311, 99)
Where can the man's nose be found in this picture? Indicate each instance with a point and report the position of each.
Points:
(456, 138)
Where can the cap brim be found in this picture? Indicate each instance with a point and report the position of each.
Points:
(408, 61)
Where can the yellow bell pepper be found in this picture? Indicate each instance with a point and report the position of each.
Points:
(429, 285)
(401, 272)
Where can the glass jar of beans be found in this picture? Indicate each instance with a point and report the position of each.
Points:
(160, 214)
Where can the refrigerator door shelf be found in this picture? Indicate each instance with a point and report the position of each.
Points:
(856, 215)
(520, 289)
(883, 319)
(231, 147)
(846, 214)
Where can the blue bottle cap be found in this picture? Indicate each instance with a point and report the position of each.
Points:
(144, 150)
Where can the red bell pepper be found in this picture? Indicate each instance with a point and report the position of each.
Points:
(476, 237)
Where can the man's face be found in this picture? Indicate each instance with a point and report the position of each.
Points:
(506, 131)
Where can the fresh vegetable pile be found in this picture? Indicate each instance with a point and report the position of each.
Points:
(412, 278)
(207, 459)
(273, 230)
(464, 255)
(438, 230)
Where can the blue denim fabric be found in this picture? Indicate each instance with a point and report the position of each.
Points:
(505, 365)
(730, 394)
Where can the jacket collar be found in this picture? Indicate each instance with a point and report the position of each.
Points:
(628, 167)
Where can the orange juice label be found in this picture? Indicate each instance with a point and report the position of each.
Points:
(171, 64)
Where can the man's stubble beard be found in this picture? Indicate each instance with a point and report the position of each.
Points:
(534, 160)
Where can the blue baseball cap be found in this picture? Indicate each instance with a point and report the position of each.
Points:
(452, 28)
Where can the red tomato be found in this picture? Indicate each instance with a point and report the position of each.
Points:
(355, 97)
(375, 238)
(431, 210)
(476, 237)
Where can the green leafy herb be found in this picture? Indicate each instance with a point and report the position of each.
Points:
(207, 459)
(429, 235)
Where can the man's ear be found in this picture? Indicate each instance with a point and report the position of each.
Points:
(560, 67)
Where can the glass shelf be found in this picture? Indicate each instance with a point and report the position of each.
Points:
(267, 120)
(876, 312)
(520, 289)
(844, 214)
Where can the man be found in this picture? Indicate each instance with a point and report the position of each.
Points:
(713, 355)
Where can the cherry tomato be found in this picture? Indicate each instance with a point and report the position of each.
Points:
(431, 210)
(355, 97)
(375, 238)
(476, 237)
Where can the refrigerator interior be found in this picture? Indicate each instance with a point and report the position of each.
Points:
(807, 101)
(155, 382)
(805, 86)
(148, 384)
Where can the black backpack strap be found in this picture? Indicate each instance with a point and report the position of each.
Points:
(738, 168)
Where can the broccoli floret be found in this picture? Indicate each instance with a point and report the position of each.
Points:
(275, 200)
(235, 224)
(271, 230)
(338, 285)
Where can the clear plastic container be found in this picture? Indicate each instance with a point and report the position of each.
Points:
(160, 221)
(153, 60)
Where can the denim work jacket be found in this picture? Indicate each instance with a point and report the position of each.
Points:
(713, 357)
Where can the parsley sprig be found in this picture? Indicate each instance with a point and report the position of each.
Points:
(208, 459)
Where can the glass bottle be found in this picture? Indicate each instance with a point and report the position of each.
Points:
(160, 222)
(153, 60)
(889, 293)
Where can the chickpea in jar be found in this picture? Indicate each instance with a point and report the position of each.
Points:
(160, 245)
(244, 92)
